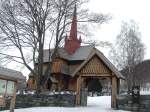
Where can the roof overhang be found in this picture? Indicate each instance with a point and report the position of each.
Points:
(9, 74)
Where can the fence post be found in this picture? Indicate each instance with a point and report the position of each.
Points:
(13, 100)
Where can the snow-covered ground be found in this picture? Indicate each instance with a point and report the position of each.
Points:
(95, 104)
(145, 92)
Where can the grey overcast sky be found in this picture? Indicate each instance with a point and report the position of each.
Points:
(123, 10)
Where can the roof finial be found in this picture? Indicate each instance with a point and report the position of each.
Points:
(75, 10)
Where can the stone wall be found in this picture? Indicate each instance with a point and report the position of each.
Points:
(25, 101)
(125, 102)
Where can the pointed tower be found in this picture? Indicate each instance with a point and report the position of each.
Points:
(73, 43)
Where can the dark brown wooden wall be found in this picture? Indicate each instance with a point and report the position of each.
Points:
(31, 84)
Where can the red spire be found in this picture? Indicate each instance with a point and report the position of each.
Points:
(73, 32)
(73, 43)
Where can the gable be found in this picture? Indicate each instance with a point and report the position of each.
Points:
(103, 66)
(95, 66)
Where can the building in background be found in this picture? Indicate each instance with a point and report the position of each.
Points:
(9, 80)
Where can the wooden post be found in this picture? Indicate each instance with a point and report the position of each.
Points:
(78, 90)
(114, 92)
(13, 100)
(118, 86)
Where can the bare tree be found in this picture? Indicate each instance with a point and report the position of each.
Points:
(128, 50)
(24, 25)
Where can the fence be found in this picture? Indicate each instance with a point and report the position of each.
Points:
(33, 100)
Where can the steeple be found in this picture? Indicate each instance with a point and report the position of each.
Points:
(73, 43)
(73, 32)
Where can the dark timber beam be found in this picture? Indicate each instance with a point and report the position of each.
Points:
(78, 90)
(114, 92)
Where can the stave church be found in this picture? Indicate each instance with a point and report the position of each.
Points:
(76, 65)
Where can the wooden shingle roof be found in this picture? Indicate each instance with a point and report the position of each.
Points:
(84, 53)
(10, 74)
(80, 54)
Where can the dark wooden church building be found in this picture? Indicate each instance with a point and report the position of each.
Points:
(76, 65)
